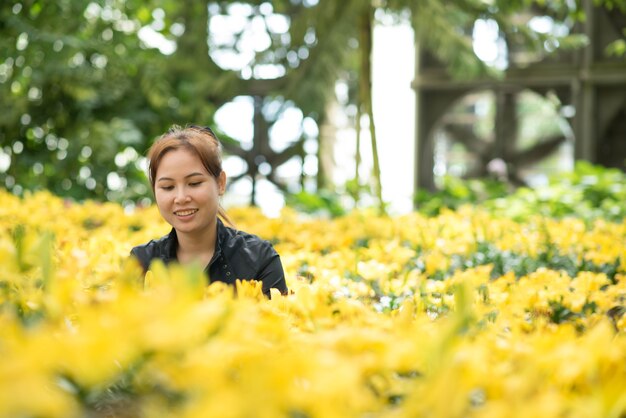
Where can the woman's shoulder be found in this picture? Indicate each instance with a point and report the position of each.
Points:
(155, 248)
(232, 239)
(150, 247)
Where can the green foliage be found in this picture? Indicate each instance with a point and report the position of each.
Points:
(324, 203)
(78, 89)
(524, 264)
(617, 48)
(82, 95)
(612, 4)
(588, 192)
(456, 192)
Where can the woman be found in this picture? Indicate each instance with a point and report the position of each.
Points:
(185, 171)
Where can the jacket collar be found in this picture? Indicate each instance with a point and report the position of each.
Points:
(171, 243)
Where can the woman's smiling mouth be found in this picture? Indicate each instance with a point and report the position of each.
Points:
(185, 212)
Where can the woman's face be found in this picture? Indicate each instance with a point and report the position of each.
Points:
(186, 194)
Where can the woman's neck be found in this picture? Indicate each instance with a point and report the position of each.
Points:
(196, 246)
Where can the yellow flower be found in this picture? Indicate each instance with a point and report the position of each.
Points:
(366, 331)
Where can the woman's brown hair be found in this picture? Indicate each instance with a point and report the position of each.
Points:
(199, 140)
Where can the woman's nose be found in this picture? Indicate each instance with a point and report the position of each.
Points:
(181, 195)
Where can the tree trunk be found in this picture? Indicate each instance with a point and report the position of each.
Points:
(357, 157)
(255, 157)
(365, 93)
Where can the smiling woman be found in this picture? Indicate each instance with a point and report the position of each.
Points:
(187, 179)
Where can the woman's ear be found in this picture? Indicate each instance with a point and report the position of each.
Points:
(221, 183)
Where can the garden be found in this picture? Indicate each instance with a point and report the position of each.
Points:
(477, 304)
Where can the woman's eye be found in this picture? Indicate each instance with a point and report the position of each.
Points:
(167, 187)
(197, 183)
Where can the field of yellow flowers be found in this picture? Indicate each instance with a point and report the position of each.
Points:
(463, 314)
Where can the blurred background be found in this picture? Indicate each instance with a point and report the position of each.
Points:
(321, 105)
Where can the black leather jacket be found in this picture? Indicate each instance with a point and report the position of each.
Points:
(238, 255)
